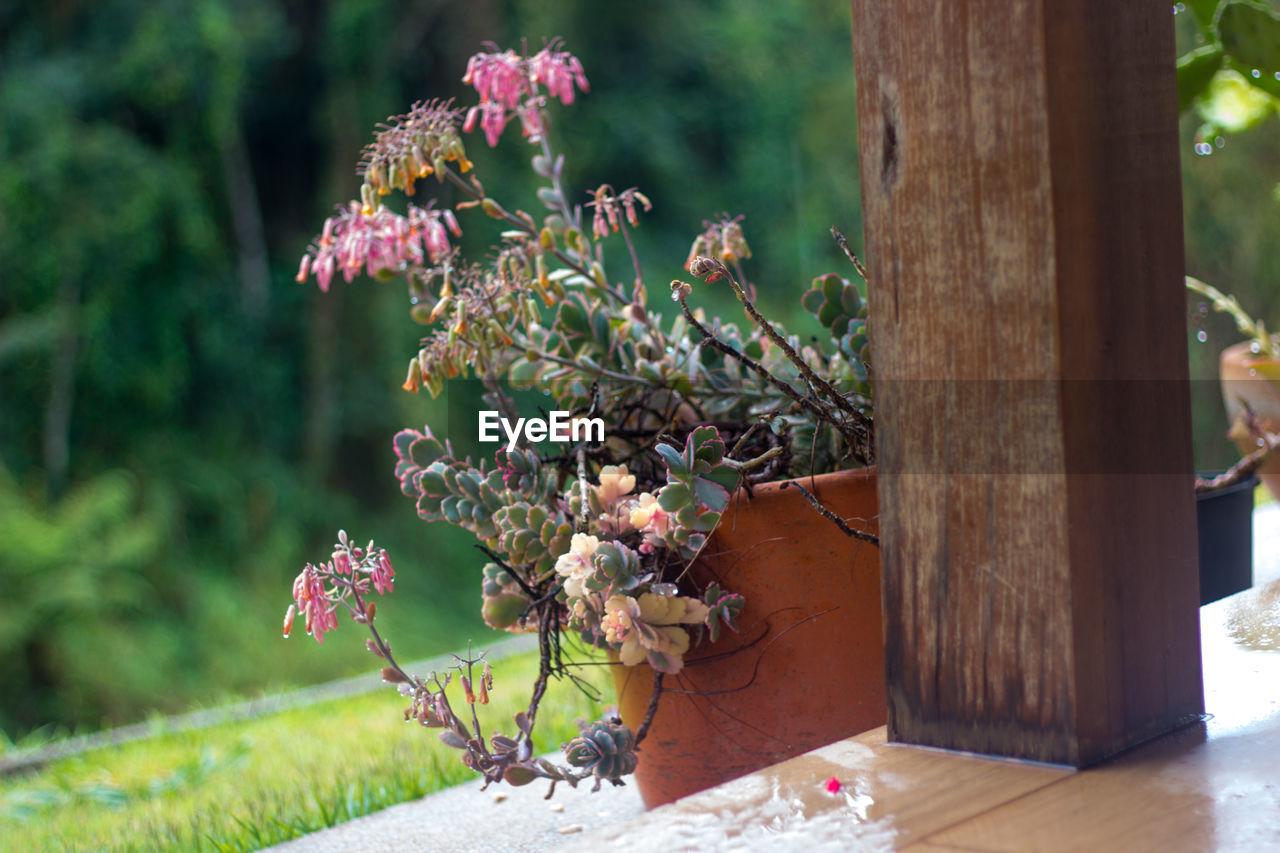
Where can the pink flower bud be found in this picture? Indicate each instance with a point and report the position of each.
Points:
(288, 620)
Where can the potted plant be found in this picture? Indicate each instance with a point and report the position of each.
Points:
(654, 524)
(1248, 373)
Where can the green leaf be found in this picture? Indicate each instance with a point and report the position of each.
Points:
(850, 299)
(725, 476)
(1250, 35)
(524, 374)
(675, 496)
(1195, 70)
(830, 311)
(1203, 11)
(709, 447)
(573, 319)
(674, 459)
(712, 494)
(812, 300)
(832, 287)
(600, 329)
(707, 521)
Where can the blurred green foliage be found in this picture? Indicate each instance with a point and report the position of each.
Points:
(181, 425)
(1227, 81)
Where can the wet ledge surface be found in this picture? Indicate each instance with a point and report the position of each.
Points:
(1211, 786)
(501, 819)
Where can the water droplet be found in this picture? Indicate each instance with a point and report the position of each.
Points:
(1255, 347)
(1201, 336)
(1252, 372)
(1256, 73)
(286, 635)
(1219, 141)
(414, 300)
(1259, 440)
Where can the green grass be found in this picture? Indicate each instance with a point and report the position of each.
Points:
(244, 785)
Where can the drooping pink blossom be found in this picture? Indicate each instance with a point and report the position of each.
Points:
(319, 589)
(313, 602)
(559, 71)
(609, 208)
(377, 241)
(511, 86)
(382, 573)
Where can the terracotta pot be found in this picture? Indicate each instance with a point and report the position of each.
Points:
(1255, 380)
(807, 665)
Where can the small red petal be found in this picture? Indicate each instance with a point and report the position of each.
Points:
(833, 785)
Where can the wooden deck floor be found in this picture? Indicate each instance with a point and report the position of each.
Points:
(1214, 785)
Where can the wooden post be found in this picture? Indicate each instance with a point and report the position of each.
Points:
(1023, 218)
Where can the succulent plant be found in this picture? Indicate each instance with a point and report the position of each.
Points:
(505, 605)
(533, 536)
(697, 490)
(591, 537)
(617, 569)
(723, 609)
(606, 748)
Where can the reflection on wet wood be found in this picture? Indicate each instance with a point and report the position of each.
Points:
(1209, 786)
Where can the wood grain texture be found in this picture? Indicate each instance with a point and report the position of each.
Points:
(1023, 231)
(1178, 793)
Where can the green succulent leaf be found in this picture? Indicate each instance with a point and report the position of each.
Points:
(573, 319)
(712, 494)
(524, 373)
(674, 459)
(675, 497)
(812, 301)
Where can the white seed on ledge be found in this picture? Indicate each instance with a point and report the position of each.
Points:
(570, 829)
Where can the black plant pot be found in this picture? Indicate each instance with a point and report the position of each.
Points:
(1224, 518)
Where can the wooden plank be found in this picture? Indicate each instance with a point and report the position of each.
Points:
(892, 796)
(1023, 231)
(1177, 794)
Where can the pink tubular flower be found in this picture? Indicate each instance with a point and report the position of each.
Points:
(558, 71)
(510, 86)
(309, 593)
(500, 77)
(318, 590)
(378, 241)
(382, 573)
(609, 207)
